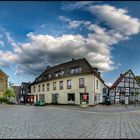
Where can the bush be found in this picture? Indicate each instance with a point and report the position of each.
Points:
(9, 102)
(3, 100)
(131, 102)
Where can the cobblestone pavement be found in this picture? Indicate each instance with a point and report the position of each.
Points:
(58, 122)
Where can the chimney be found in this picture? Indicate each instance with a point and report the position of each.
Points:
(48, 67)
(121, 74)
(95, 69)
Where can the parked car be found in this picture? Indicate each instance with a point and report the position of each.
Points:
(107, 101)
(40, 103)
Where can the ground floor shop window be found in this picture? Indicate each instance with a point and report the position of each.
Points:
(71, 98)
(42, 97)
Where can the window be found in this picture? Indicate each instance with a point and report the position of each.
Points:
(54, 85)
(36, 80)
(38, 88)
(97, 84)
(59, 73)
(48, 86)
(71, 97)
(68, 84)
(126, 79)
(62, 73)
(75, 70)
(61, 85)
(40, 79)
(131, 80)
(56, 75)
(23, 92)
(81, 82)
(72, 71)
(43, 87)
(49, 76)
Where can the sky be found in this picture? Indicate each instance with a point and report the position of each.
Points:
(37, 34)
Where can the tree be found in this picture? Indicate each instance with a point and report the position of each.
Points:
(9, 93)
(138, 78)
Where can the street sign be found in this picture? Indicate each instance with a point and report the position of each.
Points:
(85, 97)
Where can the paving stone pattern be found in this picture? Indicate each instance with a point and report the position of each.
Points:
(22, 121)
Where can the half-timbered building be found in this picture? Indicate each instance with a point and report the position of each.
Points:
(125, 86)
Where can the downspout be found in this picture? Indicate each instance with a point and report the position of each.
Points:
(94, 90)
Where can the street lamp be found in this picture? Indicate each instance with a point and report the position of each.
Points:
(85, 95)
(84, 102)
(85, 89)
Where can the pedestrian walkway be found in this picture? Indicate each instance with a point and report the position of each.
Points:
(68, 122)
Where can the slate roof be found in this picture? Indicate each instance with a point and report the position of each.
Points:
(16, 89)
(25, 85)
(83, 63)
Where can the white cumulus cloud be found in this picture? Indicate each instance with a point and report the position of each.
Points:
(40, 50)
(116, 18)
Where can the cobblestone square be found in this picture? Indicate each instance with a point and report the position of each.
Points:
(24, 121)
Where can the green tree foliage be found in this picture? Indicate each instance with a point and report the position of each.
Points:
(138, 78)
(3, 100)
(9, 93)
(10, 84)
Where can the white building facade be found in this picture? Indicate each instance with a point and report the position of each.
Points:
(68, 83)
(125, 86)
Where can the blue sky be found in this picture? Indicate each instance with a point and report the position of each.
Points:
(36, 34)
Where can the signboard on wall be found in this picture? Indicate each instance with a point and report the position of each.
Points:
(85, 97)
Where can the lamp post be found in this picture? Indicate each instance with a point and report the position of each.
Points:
(85, 95)
(84, 102)
(85, 89)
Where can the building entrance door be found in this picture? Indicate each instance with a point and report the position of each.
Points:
(55, 98)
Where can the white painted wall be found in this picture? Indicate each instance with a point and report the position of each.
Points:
(62, 99)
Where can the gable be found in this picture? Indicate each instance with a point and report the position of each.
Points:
(3, 74)
(127, 79)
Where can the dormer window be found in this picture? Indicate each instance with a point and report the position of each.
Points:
(75, 70)
(59, 73)
(56, 75)
(62, 73)
(72, 71)
(40, 79)
(49, 76)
